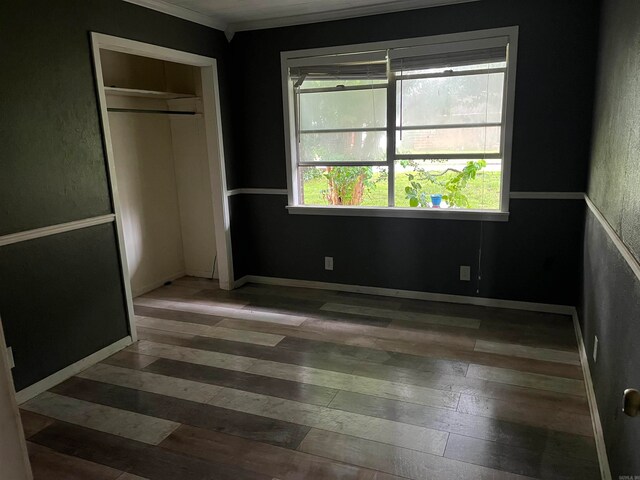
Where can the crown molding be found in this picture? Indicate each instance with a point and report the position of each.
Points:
(181, 12)
(341, 14)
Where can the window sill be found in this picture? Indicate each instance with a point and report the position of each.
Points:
(448, 214)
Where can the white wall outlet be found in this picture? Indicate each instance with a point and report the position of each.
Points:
(595, 349)
(328, 263)
(465, 273)
(10, 359)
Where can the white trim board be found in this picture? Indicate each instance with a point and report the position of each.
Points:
(342, 14)
(202, 274)
(547, 195)
(615, 238)
(257, 191)
(412, 294)
(90, 222)
(603, 459)
(516, 195)
(152, 286)
(229, 28)
(55, 229)
(133, 47)
(181, 12)
(68, 372)
(398, 212)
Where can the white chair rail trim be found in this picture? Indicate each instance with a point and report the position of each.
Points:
(55, 229)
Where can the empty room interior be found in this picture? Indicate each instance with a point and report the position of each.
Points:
(294, 239)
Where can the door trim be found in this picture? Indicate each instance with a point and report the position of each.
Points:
(215, 150)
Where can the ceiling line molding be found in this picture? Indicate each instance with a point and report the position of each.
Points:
(341, 14)
(181, 12)
(316, 17)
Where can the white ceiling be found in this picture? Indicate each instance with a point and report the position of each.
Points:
(236, 15)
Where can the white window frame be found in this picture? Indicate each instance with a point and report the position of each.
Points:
(465, 40)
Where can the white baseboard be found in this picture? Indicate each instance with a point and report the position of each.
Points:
(412, 294)
(241, 281)
(199, 273)
(598, 433)
(67, 372)
(152, 286)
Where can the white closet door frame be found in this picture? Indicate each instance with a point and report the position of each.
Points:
(213, 132)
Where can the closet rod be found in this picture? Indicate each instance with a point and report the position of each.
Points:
(137, 110)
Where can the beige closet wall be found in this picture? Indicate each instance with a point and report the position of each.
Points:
(162, 170)
(195, 197)
(143, 152)
(132, 71)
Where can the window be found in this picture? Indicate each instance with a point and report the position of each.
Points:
(412, 128)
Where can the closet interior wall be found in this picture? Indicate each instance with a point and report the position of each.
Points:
(162, 172)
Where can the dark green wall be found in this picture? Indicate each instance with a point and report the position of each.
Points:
(610, 309)
(554, 86)
(610, 306)
(614, 173)
(533, 257)
(519, 260)
(61, 297)
(53, 167)
(61, 300)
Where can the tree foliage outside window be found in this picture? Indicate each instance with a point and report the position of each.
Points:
(347, 185)
(360, 109)
(453, 187)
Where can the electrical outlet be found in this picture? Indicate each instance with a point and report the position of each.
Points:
(328, 263)
(465, 273)
(10, 360)
(595, 349)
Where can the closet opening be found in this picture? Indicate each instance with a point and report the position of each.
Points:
(162, 132)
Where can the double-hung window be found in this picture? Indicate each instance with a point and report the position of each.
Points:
(418, 127)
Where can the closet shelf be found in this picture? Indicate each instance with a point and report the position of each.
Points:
(132, 92)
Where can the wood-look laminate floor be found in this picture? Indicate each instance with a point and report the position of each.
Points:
(283, 383)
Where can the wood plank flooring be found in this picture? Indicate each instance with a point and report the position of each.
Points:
(269, 382)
